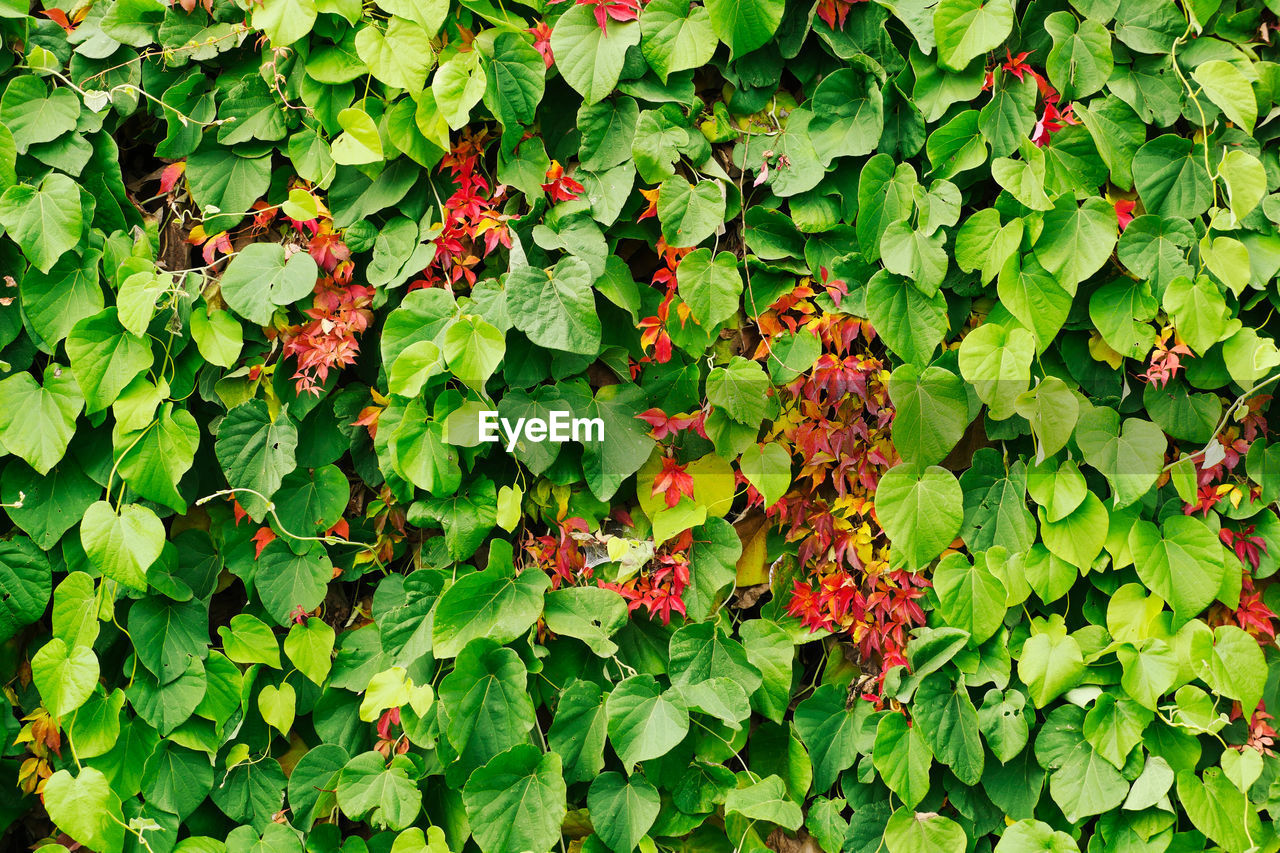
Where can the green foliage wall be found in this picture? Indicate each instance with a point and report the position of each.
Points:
(932, 343)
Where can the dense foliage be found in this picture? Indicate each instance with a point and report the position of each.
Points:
(932, 341)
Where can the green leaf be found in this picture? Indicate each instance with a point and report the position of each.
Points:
(1033, 836)
(1078, 536)
(168, 634)
(1219, 810)
(969, 596)
(1081, 60)
(256, 452)
(45, 221)
(767, 468)
(312, 501)
(383, 795)
(218, 336)
(966, 29)
(473, 349)
(458, 85)
(644, 722)
(921, 511)
(622, 809)
(1114, 727)
(676, 36)
(555, 307)
(830, 732)
(490, 603)
(158, 456)
(260, 278)
(516, 802)
(122, 545)
(37, 422)
(997, 362)
(249, 640)
(105, 358)
(285, 580)
(902, 758)
(487, 700)
(911, 324)
(1129, 456)
(689, 213)
(1170, 176)
(401, 55)
(67, 294)
(86, 808)
(358, 144)
(1052, 409)
(765, 800)
(1003, 723)
(711, 287)
(225, 185)
(579, 730)
(848, 115)
(515, 80)
(1181, 562)
(285, 21)
(745, 25)
(1246, 181)
(1050, 665)
(949, 724)
(64, 676)
(590, 614)
(908, 832)
(309, 645)
(590, 57)
(1236, 667)
(26, 582)
(1226, 86)
(1076, 241)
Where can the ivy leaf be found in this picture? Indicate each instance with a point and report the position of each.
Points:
(555, 307)
(997, 362)
(1081, 60)
(1077, 241)
(486, 696)
(37, 422)
(579, 730)
(1230, 90)
(473, 349)
(644, 722)
(767, 468)
(256, 452)
(400, 56)
(492, 603)
(848, 115)
(86, 808)
(45, 221)
(745, 25)
(765, 800)
(911, 324)
(224, 185)
(902, 758)
(1003, 723)
(358, 144)
(516, 802)
(260, 278)
(969, 596)
(689, 213)
(68, 293)
(949, 724)
(1050, 665)
(591, 57)
(711, 287)
(676, 36)
(34, 115)
(590, 614)
(384, 795)
(966, 29)
(1236, 668)
(285, 21)
(515, 80)
(1219, 810)
(26, 582)
(157, 457)
(908, 832)
(65, 676)
(623, 809)
(921, 511)
(1033, 836)
(1129, 456)
(830, 732)
(1170, 177)
(123, 545)
(285, 580)
(458, 85)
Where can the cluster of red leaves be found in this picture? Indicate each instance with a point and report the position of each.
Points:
(1219, 481)
(653, 330)
(834, 12)
(389, 741)
(338, 313)
(607, 10)
(658, 587)
(836, 418)
(473, 225)
(542, 42)
(1166, 358)
(1053, 117)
